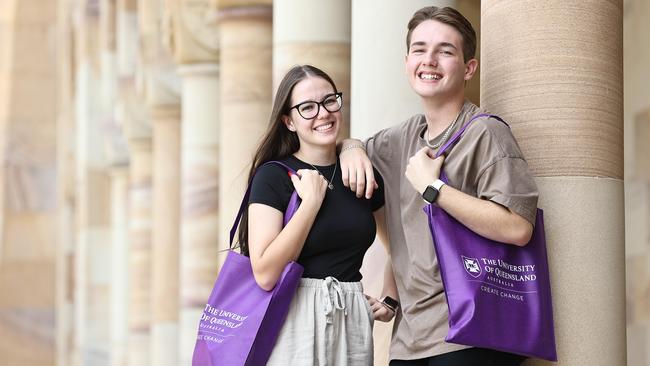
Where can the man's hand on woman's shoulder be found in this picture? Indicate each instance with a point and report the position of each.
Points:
(356, 168)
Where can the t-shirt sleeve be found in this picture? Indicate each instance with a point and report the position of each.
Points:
(378, 147)
(509, 182)
(502, 173)
(377, 200)
(271, 186)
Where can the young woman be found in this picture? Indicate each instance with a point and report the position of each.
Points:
(330, 319)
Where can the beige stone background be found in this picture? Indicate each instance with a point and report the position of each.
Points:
(126, 127)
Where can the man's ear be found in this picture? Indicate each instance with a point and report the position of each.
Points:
(470, 68)
(288, 122)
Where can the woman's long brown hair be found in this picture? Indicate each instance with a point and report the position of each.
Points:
(278, 142)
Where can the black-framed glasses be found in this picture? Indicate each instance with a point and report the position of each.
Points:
(310, 109)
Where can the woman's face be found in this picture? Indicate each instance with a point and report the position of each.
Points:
(323, 128)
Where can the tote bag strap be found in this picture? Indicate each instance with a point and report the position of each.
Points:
(291, 208)
(454, 139)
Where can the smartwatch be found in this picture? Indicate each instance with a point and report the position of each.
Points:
(390, 303)
(430, 193)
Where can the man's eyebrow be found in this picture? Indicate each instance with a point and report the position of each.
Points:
(447, 44)
(442, 44)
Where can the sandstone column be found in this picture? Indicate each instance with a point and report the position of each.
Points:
(28, 183)
(300, 36)
(160, 92)
(140, 202)
(199, 197)
(131, 117)
(246, 56)
(199, 219)
(381, 97)
(191, 35)
(119, 264)
(79, 272)
(637, 237)
(65, 189)
(6, 22)
(117, 160)
(166, 237)
(637, 179)
(555, 72)
(92, 271)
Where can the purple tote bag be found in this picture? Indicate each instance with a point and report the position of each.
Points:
(241, 321)
(499, 295)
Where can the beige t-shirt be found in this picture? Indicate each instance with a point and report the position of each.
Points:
(485, 163)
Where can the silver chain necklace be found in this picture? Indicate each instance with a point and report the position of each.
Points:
(330, 183)
(444, 137)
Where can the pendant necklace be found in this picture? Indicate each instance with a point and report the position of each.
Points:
(330, 183)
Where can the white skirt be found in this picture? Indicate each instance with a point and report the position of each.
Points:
(329, 324)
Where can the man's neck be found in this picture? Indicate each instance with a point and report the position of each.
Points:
(440, 114)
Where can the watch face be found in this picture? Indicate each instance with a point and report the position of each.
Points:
(430, 194)
(391, 302)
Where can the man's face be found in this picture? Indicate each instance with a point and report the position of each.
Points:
(434, 63)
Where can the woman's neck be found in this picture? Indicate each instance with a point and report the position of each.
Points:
(322, 156)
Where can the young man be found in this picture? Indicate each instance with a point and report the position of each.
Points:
(490, 190)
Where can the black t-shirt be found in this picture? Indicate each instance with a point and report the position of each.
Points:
(344, 227)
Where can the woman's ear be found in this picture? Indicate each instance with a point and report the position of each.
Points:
(288, 122)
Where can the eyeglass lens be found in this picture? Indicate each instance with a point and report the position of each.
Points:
(310, 109)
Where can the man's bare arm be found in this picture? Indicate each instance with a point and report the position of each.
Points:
(356, 168)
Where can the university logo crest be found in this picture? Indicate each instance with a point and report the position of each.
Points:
(471, 266)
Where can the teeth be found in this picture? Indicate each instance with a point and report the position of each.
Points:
(324, 127)
(430, 76)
